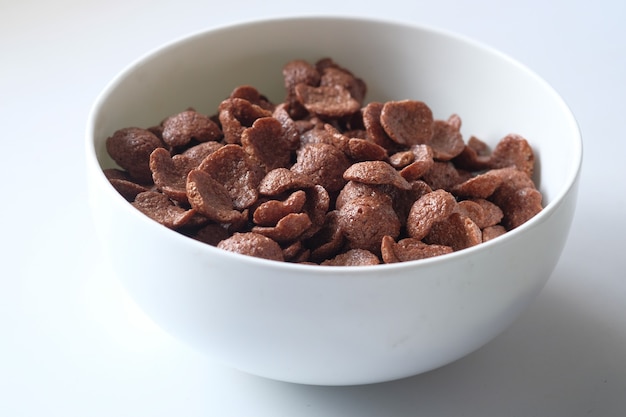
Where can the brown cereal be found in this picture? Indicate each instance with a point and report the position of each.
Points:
(475, 156)
(157, 131)
(444, 175)
(354, 189)
(492, 214)
(331, 101)
(401, 159)
(512, 178)
(403, 200)
(236, 114)
(365, 150)
(492, 232)
(233, 168)
(316, 206)
(251, 94)
(294, 73)
(376, 172)
(299, 71)
(304, 125)
(288, 229)
(211, 234)
(457, 231)
(407, 122)
(333, 74)
(323, 134)
(253, 244)
(130, 148)
(210, 198)
(324, 178)
(409, 249)
(160, 208)
(328, 241)
(431, 208)
(280, 180)
(387, 251)
(365, 220)
(353, 257)
(270, 212)
(264, 141)
(482, 212)
(127, 189)
(180, 129)
(480, 186)
(324, 164)
(471, 210)
(447, 141)
(197, 153)
(423, 161)
(334, 137)
(241, 223)
(296, 252)
(518, 205)
(373, 126)
(480, 148)
(116, 174)
(170, 173)
(513, 150)
(516, 196)
(354, 127)
(120, 180)
(327, 62)
(291, 133)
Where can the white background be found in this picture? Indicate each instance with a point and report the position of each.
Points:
(72, 344)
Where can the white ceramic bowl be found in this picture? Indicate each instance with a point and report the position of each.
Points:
(337, 325)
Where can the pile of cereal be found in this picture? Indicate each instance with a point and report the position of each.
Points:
(323, 178)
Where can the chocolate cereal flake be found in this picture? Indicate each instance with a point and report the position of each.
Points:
(280, 180)
(410, 249)
(407, 122)
(376, 172)
(457, 231)
(324, 164)
(270, 212)
(365, 220)
(447, 141)
(131, 148)
(332, 101)
(210, 198)
(253, 244)
(431, 208)
(160, 208)
(232, 167)
(180, 129)
(264, 141)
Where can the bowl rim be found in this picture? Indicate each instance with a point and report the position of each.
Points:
(570, 182)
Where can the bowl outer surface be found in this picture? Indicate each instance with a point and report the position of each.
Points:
(333, 325)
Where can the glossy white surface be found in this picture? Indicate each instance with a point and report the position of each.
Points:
(73, 345)
(337, 326)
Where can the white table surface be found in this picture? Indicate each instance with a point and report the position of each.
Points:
(73, 344)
